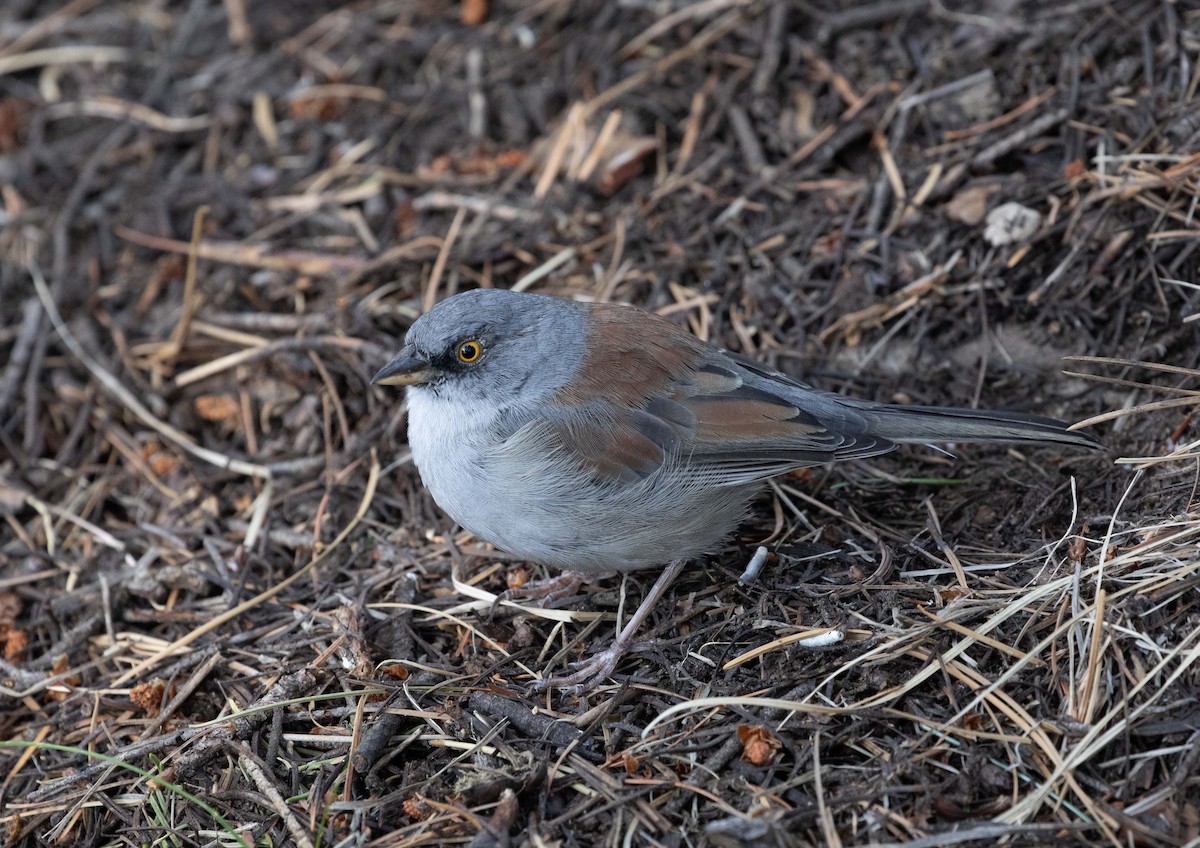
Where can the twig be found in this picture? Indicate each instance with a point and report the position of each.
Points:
(122, 395)
(18, 358)
(258, 774)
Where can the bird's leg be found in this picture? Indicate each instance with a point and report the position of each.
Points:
(591, 673)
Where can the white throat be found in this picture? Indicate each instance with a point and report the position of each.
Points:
(442, 423)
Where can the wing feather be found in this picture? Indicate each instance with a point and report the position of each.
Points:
(667, 401)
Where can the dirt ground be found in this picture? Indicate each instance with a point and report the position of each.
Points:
(229, 612)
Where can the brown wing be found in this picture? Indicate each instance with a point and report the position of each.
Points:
(652, 394)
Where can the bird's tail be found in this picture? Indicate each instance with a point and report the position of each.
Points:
(923, 424)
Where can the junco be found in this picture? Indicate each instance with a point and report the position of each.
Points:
(594, 437)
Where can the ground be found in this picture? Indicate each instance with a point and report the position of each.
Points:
(229, 611)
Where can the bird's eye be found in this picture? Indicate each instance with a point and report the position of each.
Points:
(469, 351)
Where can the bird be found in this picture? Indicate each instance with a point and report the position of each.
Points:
(598, 437)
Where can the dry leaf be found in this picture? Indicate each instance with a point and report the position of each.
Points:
(970, 205)
(15, 644)
(1075, 169)
(758, 744)
(1077, 549)
(148, 697)
(217, 408)
(416, 808)
(10, 608)
(517, 577)
(474, 12)
(161, 463)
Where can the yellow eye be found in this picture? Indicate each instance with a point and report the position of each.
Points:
(469, 351)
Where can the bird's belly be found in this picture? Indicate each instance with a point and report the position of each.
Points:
(536, 505)
(592, 530)
(577, 524)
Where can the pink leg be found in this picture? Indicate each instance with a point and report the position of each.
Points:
(591, 673)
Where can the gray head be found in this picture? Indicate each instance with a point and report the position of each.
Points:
(508, 347)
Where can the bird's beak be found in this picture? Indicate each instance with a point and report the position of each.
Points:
(407, 369)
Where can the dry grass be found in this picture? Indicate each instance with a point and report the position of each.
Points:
(231, 615)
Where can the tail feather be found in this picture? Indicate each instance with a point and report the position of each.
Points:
(922, 424)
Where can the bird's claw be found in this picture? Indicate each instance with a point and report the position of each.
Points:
(585, 675)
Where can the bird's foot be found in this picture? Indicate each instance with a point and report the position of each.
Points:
(592, 672)
(586, 675)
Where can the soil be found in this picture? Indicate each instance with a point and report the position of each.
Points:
(229, 610)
